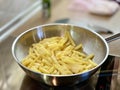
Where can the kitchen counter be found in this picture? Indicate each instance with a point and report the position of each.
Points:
(59, 11)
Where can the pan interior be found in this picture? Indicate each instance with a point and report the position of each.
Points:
(92, 42)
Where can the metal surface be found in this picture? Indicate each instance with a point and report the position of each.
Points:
(92, 43)
(113, 37)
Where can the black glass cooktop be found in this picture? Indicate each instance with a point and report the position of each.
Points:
(107, 78)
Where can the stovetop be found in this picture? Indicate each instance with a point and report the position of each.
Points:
(107, 78)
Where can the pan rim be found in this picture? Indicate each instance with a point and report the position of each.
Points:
(52, 75)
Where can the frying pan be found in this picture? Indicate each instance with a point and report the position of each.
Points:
(92, 43)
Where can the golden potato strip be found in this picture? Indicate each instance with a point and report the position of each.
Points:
(78, 47)
(62, 69)
(91, 56)
(59, 56)
(92, 63)
(34, 69)
(63, 41)
(68, 60)
(51, 70)
(46, 62)
(76, 68)
(26, 62)
(70, 38)
(54, 59)
(43, 70)
(79, 53)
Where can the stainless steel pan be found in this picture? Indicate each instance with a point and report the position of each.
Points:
(92, 43)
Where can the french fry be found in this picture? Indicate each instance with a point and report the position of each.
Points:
(43, 70)
(51, 70)
(91, 56)
(70, 38)
(59, 56)
(78, 47)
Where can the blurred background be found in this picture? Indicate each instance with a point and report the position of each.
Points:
(16, 16)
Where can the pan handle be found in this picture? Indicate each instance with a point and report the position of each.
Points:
(113, 37)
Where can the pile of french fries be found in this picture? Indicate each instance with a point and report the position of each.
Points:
(58, 56)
